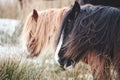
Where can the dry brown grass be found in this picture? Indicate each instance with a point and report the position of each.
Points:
(18, 69)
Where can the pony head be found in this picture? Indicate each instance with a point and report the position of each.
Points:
(66, 28)
(40, 29)
(82, 32)
(91, 34)
(29, 28)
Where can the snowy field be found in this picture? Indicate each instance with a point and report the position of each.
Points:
(8, 26)
(9, 45)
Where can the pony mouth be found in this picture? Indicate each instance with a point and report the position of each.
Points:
(66, 63)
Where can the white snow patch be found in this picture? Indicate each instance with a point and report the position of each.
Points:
(8, 25)
(11, 51)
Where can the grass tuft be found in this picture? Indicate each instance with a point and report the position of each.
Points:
(19, 69)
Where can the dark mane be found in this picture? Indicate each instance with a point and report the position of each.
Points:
(95, 28)
(69, 15)
(92, 35)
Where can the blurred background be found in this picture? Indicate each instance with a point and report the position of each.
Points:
(18, 9)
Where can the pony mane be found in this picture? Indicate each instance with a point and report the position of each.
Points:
(95, 28)
(43, 31)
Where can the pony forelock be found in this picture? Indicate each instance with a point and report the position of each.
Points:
(39, 37)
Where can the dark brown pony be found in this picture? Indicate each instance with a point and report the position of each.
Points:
(91, 33)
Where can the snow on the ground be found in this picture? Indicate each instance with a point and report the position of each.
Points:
(8, 25)
(11, 51)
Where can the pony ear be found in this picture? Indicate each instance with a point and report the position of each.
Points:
(75, 10)
(35, 15)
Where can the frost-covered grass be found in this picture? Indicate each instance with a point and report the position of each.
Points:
(14, 69)
(9, 31)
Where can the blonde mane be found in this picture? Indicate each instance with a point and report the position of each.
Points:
(38, 35)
